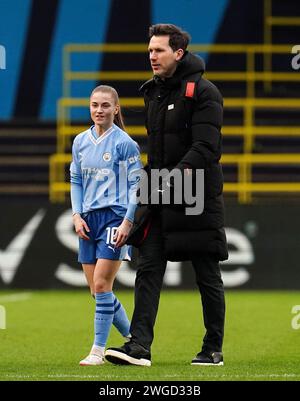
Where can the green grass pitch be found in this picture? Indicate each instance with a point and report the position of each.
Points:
(48, 332)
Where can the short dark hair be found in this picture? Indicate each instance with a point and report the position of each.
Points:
(179, 39)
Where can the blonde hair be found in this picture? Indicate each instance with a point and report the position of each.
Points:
(118, 118)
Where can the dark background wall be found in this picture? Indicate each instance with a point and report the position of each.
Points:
(39, 249)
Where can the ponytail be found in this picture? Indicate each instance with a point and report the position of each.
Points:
(118, 120)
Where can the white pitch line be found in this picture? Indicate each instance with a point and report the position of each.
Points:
(23, 296)
(74, 376)
(105, 377)
(239, 376)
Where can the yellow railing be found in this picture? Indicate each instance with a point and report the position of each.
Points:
(269, 22)
(244, 188)
(248, 130)
(250, 76)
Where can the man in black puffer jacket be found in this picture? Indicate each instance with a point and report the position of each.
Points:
(183, 120)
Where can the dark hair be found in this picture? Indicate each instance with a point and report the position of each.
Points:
(179, 39)
(118, 119)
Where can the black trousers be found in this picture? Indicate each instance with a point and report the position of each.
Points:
(149, 279)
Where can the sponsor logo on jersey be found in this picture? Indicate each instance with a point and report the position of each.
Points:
(134, 159)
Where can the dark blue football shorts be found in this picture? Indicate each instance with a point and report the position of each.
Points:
(103, 224)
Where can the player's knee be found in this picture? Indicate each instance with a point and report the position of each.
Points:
(101, 285)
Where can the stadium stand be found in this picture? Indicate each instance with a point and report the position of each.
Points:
(261, 115)
(261, 133)
(24, 160)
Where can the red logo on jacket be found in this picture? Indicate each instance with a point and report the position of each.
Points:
(190, 89)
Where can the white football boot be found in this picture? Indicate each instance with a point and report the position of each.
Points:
(95, 357)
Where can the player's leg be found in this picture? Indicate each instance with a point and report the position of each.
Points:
(87, 254)
(89, 274)
(104, 275)
(120, 320)
(87, 257)
(106, 249)
(108, 308)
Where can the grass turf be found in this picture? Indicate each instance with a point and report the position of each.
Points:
(50, 331)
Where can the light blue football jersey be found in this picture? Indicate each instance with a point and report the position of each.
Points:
(104, 171)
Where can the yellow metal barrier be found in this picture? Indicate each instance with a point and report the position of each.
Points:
(57, 182)
(269, 22)
(244, 187)
(248, 130)
(250, 75)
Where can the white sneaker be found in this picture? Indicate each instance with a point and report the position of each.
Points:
(92, 360)
(95, 357)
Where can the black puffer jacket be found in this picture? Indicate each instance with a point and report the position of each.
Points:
(184, 132)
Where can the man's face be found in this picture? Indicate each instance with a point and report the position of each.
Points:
(163, 58)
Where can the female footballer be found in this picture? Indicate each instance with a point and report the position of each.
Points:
(104, 172)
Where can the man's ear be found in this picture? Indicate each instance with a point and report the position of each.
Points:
(179, 54)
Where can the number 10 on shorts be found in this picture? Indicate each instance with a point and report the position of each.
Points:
(111, 232)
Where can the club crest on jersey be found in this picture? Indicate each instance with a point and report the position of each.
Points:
(107, 157)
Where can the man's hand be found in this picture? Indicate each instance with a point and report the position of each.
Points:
(122, 233)
(80, 226)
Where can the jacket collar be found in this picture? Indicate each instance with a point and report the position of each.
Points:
(147, 84)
